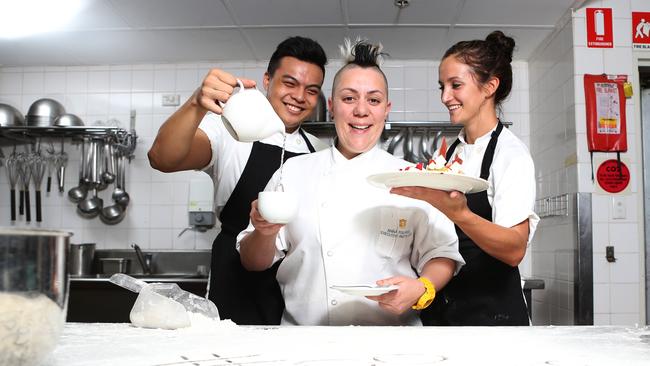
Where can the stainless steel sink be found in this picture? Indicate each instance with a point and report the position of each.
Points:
(164, 263)
(148, 277)
(168, 275)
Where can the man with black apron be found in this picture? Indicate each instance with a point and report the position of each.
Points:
(242, 296)
(194, 138)
(486, 291)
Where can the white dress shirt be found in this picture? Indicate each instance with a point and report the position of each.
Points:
(229, 156)
(349, 232)
(512, 177)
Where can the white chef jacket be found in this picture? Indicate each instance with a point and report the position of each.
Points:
(348, 232)
(512, 177)
(229, 156)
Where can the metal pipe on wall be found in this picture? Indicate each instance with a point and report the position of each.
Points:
(584, 275)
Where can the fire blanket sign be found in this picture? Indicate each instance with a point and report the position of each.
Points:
(605, 105)
(641, 30)
(599, 28)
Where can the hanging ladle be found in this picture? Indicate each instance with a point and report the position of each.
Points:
(78, 193)
(394, 141)
(120, 196)
(409, 155)
(434, 145)
(114, 214)
(91, 206)
(424, 145)
(108, 175)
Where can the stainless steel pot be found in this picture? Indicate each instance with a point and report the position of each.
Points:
(34, 261)
(33, 293)
(114, 265)
(81, 259)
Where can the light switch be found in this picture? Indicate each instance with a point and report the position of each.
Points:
(171, 100)
(618, 208)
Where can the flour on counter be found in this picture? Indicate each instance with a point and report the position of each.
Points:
(201, 322)
(29, 328)
(152, 310)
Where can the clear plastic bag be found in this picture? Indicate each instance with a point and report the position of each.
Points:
(164, 305)
(154, 310)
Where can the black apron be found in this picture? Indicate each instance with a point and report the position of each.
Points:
(242, 296)
(486, 291)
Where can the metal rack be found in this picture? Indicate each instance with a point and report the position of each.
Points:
(317, 128)
(552, 206)
(28, 133)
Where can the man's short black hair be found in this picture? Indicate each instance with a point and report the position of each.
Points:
(304, 49)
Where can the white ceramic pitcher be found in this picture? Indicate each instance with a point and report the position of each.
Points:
(248, 116)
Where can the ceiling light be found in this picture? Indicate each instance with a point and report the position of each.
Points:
(27, 17)
(401, 3)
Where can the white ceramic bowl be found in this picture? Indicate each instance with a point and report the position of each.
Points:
(277, 207)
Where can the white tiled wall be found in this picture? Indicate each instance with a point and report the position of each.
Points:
(620, 283)
(157, 212)
(553, 148)
(563, 164)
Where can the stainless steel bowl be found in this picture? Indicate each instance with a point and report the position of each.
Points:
(44, 112)
(33, 293)
(10, 116)
(68, 119)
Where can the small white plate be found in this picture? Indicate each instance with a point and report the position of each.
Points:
(365, 290)
(442, 181)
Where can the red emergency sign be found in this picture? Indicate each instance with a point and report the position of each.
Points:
(641, 30)
(599, 28)
(613, 176)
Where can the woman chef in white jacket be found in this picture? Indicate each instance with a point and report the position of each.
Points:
(348, 232)
(493, 226)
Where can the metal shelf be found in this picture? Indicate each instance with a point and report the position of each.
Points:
(434, 126)
(23, 132)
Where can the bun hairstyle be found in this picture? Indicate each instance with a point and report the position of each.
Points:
(488, 58)
(361, 53)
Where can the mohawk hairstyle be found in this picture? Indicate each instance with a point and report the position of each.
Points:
(362, 53)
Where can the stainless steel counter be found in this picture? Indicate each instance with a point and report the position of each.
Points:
(176, 278)
(226, 344)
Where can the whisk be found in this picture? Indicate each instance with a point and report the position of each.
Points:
(38, 165)
(25, 174)
(12, 172)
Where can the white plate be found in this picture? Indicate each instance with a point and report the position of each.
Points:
(365, 290)
(442, 181)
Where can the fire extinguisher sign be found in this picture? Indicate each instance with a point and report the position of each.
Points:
(599, 28)
(641, 30)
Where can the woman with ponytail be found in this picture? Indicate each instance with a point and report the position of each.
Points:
(494, 227)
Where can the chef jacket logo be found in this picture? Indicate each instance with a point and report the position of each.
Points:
(402, 232)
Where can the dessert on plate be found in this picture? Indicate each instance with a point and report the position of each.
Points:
(438, 164)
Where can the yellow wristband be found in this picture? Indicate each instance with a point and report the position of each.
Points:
(427, 297)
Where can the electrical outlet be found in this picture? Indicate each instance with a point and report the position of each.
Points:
(171, 100)
(618, 208)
